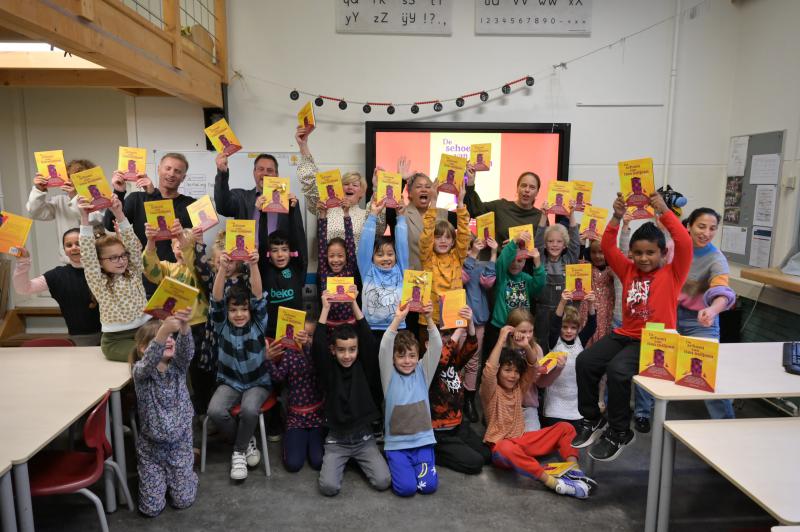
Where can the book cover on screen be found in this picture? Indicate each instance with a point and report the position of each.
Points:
(485, 226)
(341, 289)
(549, 362)
(202, 213)
(559, 194)
(658, 354)
(289, 322)
(636, 184)
(579, 280)
(92, 185)
(558, 469)
(390, 187)
(305, 117)
(329, 185)
(170, 297)
(582, 194)
(697, 363)
(451, 303)
(14, 231)
(221, 136)
(450, 177)
(276, 193)
(160, 215)
(593, 222)
(131, 162)
(523, 248)
(416, 289)
(51, 165)
(240, 238)
(480, 156)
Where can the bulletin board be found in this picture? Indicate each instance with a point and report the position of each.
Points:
(752, 192)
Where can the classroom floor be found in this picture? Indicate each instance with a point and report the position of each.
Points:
(702, 500)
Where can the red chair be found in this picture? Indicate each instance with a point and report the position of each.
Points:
(48, 342)
(271, 401)
(63, 472)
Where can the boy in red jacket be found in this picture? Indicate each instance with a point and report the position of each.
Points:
(649, 294)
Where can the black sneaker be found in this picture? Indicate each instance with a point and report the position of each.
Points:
(611, 444)
(642, 424)
(589, 432)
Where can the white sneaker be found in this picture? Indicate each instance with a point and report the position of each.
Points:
(238, 466)
(252, 454)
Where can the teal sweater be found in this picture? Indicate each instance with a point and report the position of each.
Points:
(514, 291)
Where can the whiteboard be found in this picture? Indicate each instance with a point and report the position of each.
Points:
(410, 17)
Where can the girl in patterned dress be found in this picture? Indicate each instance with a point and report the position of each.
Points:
(603, 288)
(337, 258)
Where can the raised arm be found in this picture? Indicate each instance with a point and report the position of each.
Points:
(463, 234)
(366, 244)
(684, 248)
(426, 237)
(307, 174)
(297, 235)
(322, 241)
(223, 201)
(39, 206)
(574, 246)
(431, 359)
(616, 260)
(22, 284)
(401, 239)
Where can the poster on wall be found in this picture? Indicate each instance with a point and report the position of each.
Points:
(395, 17)
(733, 199)
(737, 155)
(516, 17)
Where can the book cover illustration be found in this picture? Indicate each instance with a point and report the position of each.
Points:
(14, 231)
(329, 185)
(523, 248)
(276, 191)
(559, 194)
(582, 194)
(451, 173)
(170, 297)
(289, 322)
(451, 304)
(341, 289)
(697, 363)
(51, 165)
(593, 223)
(485, 226)
(390, 186)
(202, 213)
(240, 238)
(92, 185)
(658, 354)
(636, 184)
(480, 156)
(416, 289)
(305, 117)
(579, 280)
(131, 162)
(221, 136)
(160, 215)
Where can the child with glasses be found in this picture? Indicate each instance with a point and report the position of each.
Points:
(113, 268)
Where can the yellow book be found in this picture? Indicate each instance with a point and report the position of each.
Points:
(452, 302)
(276, 191)
(559, 194)
(305, 118)
(92, 185)
(549, 362)
(342, 289)
(658, 354)
(202, 213)
(50, 164)
(697, 363)
(579, 280)
(390, 186)
(416, 289)
(160, 215)
(131, 162)
(582, 194)
(451, 173)
(221, 136)
(330, 188)
(289, 322)
(636, 184)
(240, 238)
(480, 156)
(13, 232)
(485, 226)
(170, 297)
(558, 469)
(593, 222)
(523, 248)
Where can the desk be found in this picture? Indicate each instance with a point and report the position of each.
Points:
(774, 277)
(745, 371)
(45, 391)
(741, 451)
(9, 519)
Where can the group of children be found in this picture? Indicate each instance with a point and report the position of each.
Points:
(357, 363)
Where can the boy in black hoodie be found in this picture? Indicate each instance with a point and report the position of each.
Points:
(345, 379)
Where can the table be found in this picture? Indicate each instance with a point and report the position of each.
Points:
(774, 277)
(43, 392)
(9, 519)
(737, 449)
(745, 370)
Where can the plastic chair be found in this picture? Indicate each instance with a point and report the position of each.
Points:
(48, 342)
(271, 401)
(64, 472)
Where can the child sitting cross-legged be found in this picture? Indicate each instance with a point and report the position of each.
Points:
(506, 377)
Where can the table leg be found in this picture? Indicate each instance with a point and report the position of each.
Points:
(119, 440)
(651, 514)
(666, 482)
(22, 488)
(108, 475)
(9, 518)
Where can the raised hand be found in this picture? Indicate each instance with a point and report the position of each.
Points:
(117, 181)
(222, 162)
(40, 182)
(619, 206)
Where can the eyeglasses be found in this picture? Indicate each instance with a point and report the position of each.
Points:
(117, 258)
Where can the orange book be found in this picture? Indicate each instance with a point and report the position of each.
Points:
(451, 173)
(523, 249)
(131, 162)
(160, 215)
(390, 186)
(480, 155)
(342, 289)
(559, 194)
(276, 191)
(170, 297)
(593, 223)
(697, 363)
(559, 469)
(305, 118)
(416, 289)
(658, 353)
(289, 322)
(202, 213)
(329, 185)
(13, 233)
(636, 184)
(549, 362)
(221, 136)
(485, 226)
(92, 185)
(451, 303)
(582, 194)
(240, 238)
(51, 165)
(579, 280)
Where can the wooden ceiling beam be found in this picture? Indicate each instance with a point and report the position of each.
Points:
(58, 77)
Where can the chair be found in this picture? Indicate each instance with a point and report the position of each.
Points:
(48, 342)
(63, 472)
(271, 401)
